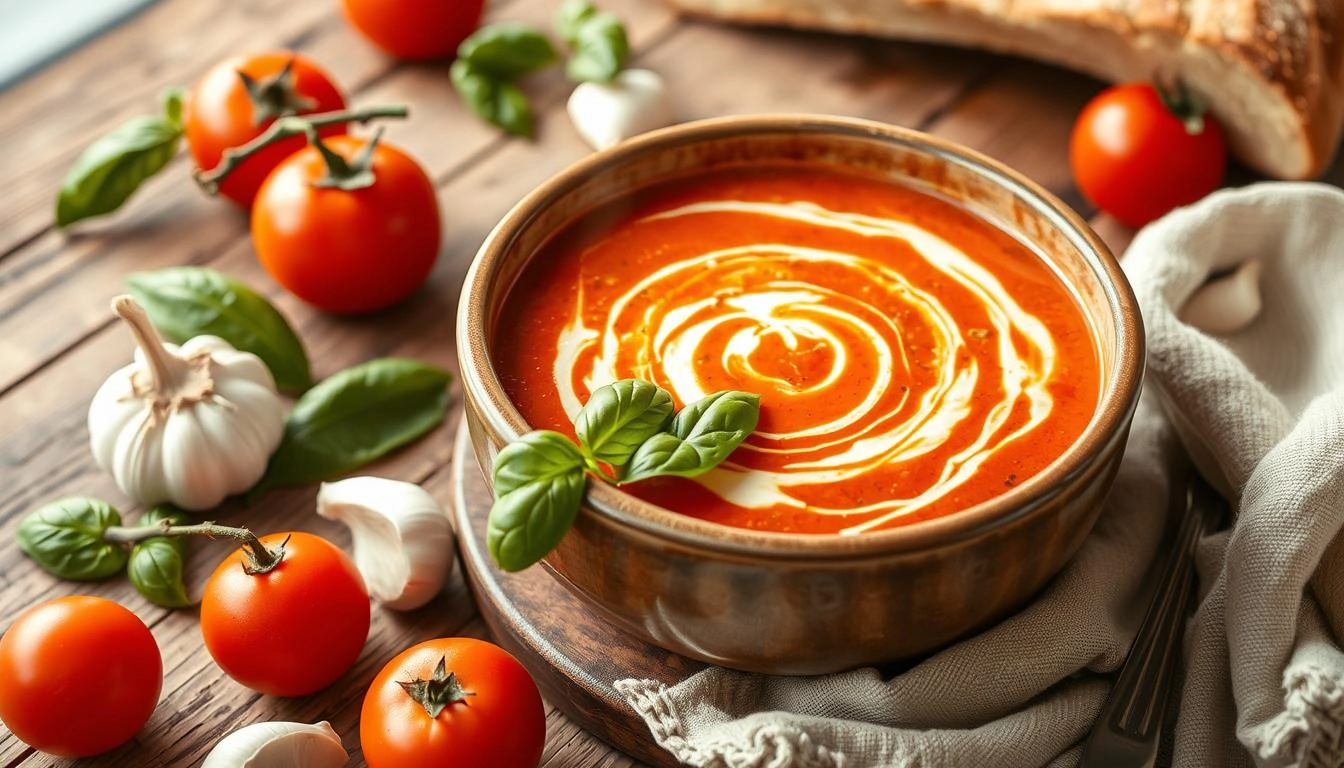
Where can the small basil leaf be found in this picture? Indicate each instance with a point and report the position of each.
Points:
(600, 50)
(570, 16)
(507, 50)
(66, 538)
(354, 417)
(112, 168)
(498, 102)
(620, 416)
(183, 302)
(156, 565)
(539, 483)
(702, 435)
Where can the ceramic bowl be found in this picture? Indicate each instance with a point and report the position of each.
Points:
(809, 604)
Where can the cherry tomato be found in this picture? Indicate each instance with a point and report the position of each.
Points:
(220, 113)
(492, 713)
(79, 675)
(415, 29)
(292, 630)
(347, 251)
(1137, 160)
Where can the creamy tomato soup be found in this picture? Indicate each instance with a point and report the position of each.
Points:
(912, 360)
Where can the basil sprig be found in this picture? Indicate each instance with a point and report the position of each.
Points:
(183, 302)
(112, 168)
(492, 60)
(66, 538)
(596, 39)
(489, 64)
(355, 416)
(157, 564)
(627, 426)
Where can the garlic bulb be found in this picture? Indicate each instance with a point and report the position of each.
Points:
(189, 424)
(279, 745)
(606, 114)
(403, 540)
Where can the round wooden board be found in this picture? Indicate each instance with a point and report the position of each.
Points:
(573, 653)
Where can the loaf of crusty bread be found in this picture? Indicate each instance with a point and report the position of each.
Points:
(1271, 70)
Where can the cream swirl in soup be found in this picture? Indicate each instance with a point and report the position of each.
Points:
(912, 359)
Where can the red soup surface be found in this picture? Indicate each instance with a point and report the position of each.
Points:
(912, 359)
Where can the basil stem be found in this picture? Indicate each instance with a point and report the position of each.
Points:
(354, 417)
(620, 416)
(183, 302)
(157, 564)
(65, 538)
(489, 64)
(701, 436)
(597, 41)
(539, 482)
(111, 169)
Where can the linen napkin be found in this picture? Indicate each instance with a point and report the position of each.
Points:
(1261, 410)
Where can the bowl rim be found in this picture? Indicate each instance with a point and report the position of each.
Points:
(610, 505)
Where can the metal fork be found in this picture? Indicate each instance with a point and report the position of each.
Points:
(1129, 727)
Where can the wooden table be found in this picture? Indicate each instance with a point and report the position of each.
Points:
(58, 340)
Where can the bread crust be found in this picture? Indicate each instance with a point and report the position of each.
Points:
(1272, 71)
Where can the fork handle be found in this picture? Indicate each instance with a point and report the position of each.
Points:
(1128, 729)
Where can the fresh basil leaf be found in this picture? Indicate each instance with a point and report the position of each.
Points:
(112, 168)
(354, 417)
(600, 49)
(506, 51)
(156, 565)
(570, 16)
(66, 538)
(183, 302)
(498, 102)
(620, 416)
(539, 483)
(701, 436)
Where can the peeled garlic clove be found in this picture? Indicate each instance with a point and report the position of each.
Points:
(606, 114)
(279, 745)
(402, 538)
(1227, 304)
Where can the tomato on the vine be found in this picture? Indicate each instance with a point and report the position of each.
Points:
(238, 99)
(79, 675)
(415, 29)
(353, 238)
(1138, 153)
(291, 630)
(453, 701)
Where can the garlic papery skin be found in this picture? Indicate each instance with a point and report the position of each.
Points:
(190, 424)
(606, 114)
(403, 540)
(279, 745)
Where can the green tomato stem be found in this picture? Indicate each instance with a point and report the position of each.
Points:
(283, 128)
(261, 559)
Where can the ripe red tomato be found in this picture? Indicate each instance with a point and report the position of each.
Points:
(292, 630)
(79, 675)
(347, 251)
(495, 717)
(1137, 160)
(415, 29)
(220, 113)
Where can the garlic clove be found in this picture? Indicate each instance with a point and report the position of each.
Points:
(1227, 304)
(606, 114)
(279, 745)
(403, 539)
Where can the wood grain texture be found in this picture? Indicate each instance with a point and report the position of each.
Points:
(58, 339)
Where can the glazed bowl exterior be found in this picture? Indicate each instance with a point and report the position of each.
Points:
(810, 604)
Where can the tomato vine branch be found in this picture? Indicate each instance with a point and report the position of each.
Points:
(283, 128)
(261, 558)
